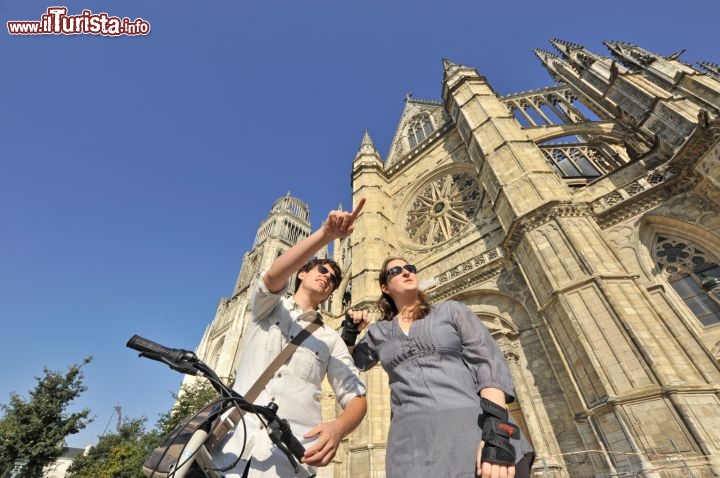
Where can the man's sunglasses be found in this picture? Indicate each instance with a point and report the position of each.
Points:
(324, 270)
(393, 271)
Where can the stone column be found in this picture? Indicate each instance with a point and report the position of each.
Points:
(538, 424)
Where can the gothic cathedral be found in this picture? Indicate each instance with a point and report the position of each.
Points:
(580, 223)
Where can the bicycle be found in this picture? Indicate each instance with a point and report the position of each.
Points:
(194, 461)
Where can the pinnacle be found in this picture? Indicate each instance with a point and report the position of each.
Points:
(366, 146)
(619, 47)
(569, 44)
(613, 43)
(711, 68)
(565, 47)
(447, 64)
(367, 140)
(543, 55)
(546, 58)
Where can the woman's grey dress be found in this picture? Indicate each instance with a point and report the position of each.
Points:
(436, 372)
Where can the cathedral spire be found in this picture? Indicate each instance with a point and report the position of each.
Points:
(565, 47)
(631, 55)
(367, 150)
(713, 69)
(450, 67)
(447, 64)
(367, 146)
(580, 58)
(545, 56)
(548, 61)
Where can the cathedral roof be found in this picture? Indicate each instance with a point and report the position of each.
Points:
(413, 110)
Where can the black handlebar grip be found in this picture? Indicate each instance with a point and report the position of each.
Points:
(144, 345)
(292, 443)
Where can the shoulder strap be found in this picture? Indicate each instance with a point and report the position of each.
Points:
(224, 426)
(284, 355)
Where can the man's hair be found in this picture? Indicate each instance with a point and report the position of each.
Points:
(314, 262)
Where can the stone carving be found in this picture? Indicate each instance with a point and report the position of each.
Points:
(621, 236)
(676, 257)
(511, 282)
(442, 208)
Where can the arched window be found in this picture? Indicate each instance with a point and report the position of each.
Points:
(419, 129)
(215, 357)
(693, 273)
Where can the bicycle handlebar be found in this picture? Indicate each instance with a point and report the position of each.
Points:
(187, 362)
(155, 351)
(287, 438)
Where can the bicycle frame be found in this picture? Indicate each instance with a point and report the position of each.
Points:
(194, 455)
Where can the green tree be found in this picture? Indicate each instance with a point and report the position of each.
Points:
(35, 429)
(188, 402)
(117, 455)
(121, 454)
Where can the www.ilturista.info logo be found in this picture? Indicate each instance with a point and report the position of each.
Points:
(57, 22)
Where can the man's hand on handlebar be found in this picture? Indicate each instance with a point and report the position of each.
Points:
(330, 433)
(324, 449)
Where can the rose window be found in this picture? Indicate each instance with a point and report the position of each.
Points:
(442, 208)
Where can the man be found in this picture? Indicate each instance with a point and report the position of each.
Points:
(296, 386)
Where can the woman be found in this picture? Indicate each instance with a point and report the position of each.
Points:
(448, 382)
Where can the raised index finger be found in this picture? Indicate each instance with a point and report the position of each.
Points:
(357, 210)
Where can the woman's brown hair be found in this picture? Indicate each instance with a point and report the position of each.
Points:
(387, 306)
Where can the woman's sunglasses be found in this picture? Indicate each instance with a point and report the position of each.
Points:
(325, 271)
(393, 271)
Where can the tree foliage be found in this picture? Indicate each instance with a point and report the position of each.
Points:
(117, 455)
(188, 401)
(121, 454)
(34, 429)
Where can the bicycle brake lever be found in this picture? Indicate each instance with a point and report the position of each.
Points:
(274, 429)
(182, 367)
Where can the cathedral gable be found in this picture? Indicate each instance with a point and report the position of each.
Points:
(419, 120)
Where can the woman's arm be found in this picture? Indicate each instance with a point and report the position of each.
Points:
(481, 353)
(491, 465)
(495, 395)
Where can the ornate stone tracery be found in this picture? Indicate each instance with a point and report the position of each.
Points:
(690, 270)
(442, 208)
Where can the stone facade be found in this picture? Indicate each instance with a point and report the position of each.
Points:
(580, 223)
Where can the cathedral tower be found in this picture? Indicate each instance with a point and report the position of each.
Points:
(287, 223)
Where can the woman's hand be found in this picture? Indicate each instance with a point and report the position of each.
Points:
(355, 321)
(492, 470)
(359, 317)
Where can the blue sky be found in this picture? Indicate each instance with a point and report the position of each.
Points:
(134, 171)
